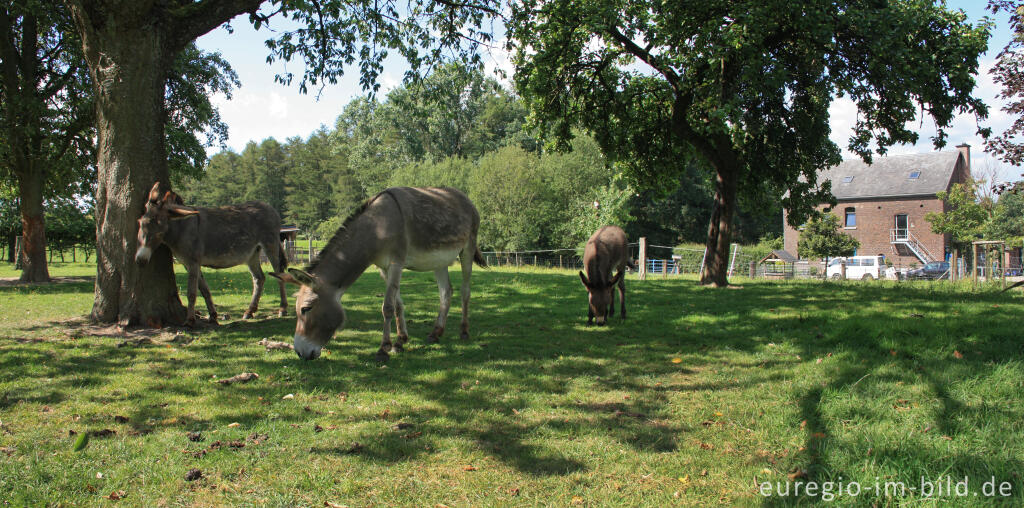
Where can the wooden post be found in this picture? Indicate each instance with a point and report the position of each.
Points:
(559, 261)
(974, 263)
(842, 270)
(1002, 263)
(310, 251)
(753, 269)
(642, 268)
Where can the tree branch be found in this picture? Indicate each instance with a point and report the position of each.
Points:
(195, 19)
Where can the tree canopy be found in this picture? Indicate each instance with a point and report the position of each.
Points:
(742, 87)
(821, 238)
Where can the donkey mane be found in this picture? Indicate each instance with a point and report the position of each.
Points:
(342, 232)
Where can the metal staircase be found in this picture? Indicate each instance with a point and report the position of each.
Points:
(905, 241)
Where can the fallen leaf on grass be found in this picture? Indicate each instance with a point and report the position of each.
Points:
(288, 397)
(81, 442)
(233, 425)
(193, 475)
(121, 419)
(329, 504)
(195, 436)
(468, 468)
(803, 424)
(706, 446)
(117, 495)
(766, 471)
(799, 473)
(819, 435)
(317, 428)
(958, 355)
(685, 480)
(9, 450)
(947, 438)
(514, 491)
(677, 360)
(577, 500)
(272, 345)
(244, 377)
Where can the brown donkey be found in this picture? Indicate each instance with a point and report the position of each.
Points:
(606, 252)
(422, 229)
(215, 238)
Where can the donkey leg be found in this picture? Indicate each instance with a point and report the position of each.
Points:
(193, 286)
(279, 263)
(444, 288)
(403, 332)
(622, 295)
(258, 279)
(393, 278)
(205, 290)
(466, 259)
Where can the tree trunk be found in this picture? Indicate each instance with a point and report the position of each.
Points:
(716, 249)
(129, 63)
(33, 228)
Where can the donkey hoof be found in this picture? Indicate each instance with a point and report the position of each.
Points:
(382, 356)
(282, 312)
(397, 348)
(247, 315)
(433, 339)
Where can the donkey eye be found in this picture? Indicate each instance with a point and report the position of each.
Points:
(304, 310)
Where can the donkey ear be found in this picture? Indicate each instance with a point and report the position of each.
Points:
(583, 278)
(154, 193)
(285, 277)
(302, 277)
(181, 212)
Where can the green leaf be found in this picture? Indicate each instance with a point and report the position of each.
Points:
(81, 442)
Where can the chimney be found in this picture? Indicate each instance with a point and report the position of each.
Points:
(965, 149)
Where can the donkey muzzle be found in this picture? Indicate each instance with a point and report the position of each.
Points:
(306, 349)
(142, 255)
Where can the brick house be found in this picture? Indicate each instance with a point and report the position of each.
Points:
(883, 205)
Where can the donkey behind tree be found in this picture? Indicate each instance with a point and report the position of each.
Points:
(606, 252)
(215, 238)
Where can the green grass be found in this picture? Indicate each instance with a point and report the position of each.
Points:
(698, 398)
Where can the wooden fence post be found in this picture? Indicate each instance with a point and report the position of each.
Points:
(642, 269)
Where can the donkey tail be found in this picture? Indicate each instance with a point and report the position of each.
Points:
(478, 257)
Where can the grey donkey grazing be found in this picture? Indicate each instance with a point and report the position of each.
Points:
(606, 252)
(215, 238)
(422, 229)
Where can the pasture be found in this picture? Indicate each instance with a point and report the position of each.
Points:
(697, 399)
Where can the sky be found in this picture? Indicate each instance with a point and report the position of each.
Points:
(262, 108)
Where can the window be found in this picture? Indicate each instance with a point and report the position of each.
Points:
(852, 262)
(847, 179)
(851, 218)
(914, 175)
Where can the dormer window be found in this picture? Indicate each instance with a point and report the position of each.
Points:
(914, 175)
(847, 179)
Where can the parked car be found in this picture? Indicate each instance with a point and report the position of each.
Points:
(857, 267)
(931, 271)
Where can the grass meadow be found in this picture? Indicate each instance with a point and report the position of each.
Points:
(699, 398)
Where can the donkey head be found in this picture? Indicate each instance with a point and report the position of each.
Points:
(155, 220)
(318, 312)
(600, 296)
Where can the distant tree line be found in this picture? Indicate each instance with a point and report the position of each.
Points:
(460, 128)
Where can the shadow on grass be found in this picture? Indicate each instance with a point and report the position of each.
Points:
(529, 342)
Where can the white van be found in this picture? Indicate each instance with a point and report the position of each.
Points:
(857, 267)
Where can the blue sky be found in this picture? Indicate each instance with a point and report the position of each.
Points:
(262, 108)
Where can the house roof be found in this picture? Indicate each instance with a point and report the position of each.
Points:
(780, 255)
(890, 176)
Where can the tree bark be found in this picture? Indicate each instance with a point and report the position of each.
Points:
(129, 62)
(716, 248)
(33, 228)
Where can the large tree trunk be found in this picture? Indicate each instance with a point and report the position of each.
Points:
(716, 249)
(129, 62)
(33, 228)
